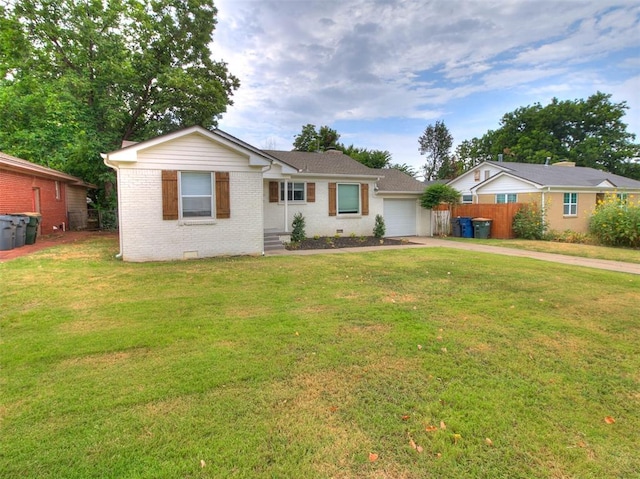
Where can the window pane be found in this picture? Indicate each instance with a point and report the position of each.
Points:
(500, 199)
(196, 206)
(197, 194)
(298, 192)
(348, 199)
(511, 198)
(570, 206)
(295, 191)
(196, 184)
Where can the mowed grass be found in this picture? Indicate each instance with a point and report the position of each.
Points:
(441, 363)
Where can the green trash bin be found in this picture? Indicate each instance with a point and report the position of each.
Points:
(32, 227)
(7, 233)
(481, 228)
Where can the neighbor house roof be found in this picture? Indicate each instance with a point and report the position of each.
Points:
(330, 162)
(23, 166)
(556, 175)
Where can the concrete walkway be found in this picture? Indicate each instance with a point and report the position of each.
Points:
(427, 242)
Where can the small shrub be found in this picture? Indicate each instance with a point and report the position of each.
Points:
(529, 222)
(379, 229)
(616, 222)
(297, 233)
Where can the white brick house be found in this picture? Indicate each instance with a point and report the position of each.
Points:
(199, 193)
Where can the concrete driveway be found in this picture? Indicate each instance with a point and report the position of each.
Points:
(428, 242)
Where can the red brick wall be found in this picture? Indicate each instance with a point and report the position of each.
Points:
(17, 195)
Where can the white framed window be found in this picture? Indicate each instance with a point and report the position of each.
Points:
(570, 206)
(476, 175)
(467, 199)
(348, 198)
(502, 198)
(295, 191)
(196, 194)
(487, 174)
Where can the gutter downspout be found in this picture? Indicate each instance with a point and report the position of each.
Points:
(105, 159)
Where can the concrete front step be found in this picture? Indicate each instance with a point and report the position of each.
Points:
(272, 241)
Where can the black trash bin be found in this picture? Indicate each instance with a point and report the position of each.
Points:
(32, 227)
(21, 222)
(455, 227)
(482, 228)
(7, 233)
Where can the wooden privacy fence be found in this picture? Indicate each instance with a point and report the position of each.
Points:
(501, 216)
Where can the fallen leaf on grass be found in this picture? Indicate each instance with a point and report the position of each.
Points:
(456, 438)
(419, 346)
(333, 408)
(413, 444)
(405, 417)
(430, 428)
(373, 457)
(609, 420)
(488, 441)
(202, 463)
(582, 444)
(444, 350)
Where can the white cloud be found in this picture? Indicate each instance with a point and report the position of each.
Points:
(394, 61)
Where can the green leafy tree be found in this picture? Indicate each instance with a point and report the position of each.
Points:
(439, 193)
(104, 72)
(370, 158)
(435, 143)
(589, 132)
(311, 139)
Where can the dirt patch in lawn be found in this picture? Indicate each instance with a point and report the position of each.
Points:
(333, 242)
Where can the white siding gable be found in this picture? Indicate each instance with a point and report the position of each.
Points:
(465, 182)
(191, 152)
(506, 184)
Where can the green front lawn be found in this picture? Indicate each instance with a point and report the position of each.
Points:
(434, 362)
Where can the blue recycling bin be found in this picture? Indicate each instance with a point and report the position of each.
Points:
(466, 227)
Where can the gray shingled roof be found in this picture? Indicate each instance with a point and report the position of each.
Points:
(577, 176)
(396, 180)
(327, 163)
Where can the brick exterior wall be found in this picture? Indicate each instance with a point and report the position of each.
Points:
(145, 236)
(17, 195)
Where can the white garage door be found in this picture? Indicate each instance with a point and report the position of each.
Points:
(400, 217)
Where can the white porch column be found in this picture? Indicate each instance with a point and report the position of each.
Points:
(286, 206)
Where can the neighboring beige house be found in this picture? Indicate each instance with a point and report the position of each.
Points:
(199, 193)
(568, 193)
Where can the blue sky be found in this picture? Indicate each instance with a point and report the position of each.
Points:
(381, 71)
